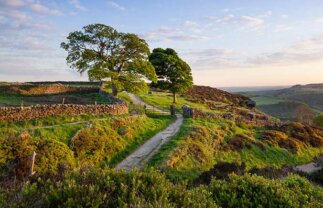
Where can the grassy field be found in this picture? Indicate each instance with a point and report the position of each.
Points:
(164, 100)
(263, 100)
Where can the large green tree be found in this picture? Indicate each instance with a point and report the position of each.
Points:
(120, 58)
(173, 73)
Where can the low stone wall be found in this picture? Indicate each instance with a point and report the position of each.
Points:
(39, 111)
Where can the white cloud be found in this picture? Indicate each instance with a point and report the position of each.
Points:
(300, 52)
(194, 26)
(12, 3)
(17, 15)
(116, 5)
(245, 22)
(282, 28)
(171, 34)
(252, 22)
(226, 19)
(77, 4)
(43, 9)
(213, 58)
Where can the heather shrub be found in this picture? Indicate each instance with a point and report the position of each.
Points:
(16, 152)
(108, 188)
(256, 191)
(96, 144)
(52, 156)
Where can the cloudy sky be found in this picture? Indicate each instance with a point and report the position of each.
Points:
(226, 42)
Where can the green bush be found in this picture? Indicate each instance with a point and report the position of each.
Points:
(319, 120)
(52, 156)
(256, 191)
(110, 188)
(96, 144)
(16, 151)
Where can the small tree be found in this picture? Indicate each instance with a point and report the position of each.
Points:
(173, 73)
(103, 52)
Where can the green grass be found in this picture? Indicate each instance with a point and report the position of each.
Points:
(164, 100)
(188, 167)
(50, 121)
(263, 100)
(124, 96)
(189, 164)
(62, 133)
(319, 120)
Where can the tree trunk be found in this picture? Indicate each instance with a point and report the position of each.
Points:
(114, 90)
(174, 97)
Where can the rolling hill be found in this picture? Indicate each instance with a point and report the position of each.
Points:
(284, 103)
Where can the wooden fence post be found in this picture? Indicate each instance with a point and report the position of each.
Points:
(32, 163)
(22, 104)
(63, 101)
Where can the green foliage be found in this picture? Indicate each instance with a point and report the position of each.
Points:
(106, 53)
(93, 141)
(319, 120)
(16, 151)
(163, 100)
(52, 156)
(109, 188)
(173, 73)
(256, 191)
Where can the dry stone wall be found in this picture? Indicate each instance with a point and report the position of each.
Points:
(39, 111)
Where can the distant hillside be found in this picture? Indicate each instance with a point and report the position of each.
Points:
(295, 111)
(284, 103)
(205, 94)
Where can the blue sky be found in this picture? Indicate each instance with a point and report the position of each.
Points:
(226, 42)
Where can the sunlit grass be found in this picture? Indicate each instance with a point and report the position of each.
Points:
(164, 100)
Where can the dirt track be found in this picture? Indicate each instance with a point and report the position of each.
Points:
(141, 156)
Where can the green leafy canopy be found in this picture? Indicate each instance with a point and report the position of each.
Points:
(121, 58)
(173, 73)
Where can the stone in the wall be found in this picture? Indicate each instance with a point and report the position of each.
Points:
(39, 111)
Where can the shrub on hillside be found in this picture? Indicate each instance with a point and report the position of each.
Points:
(319, 120)
(52, 156)
(256, 191)
(220, 171)
(108, 188)
(292, 136)
(241, 141)
(16, 152)
(317, 177)
(95, 144)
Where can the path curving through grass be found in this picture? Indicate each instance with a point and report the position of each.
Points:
(139, 158)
